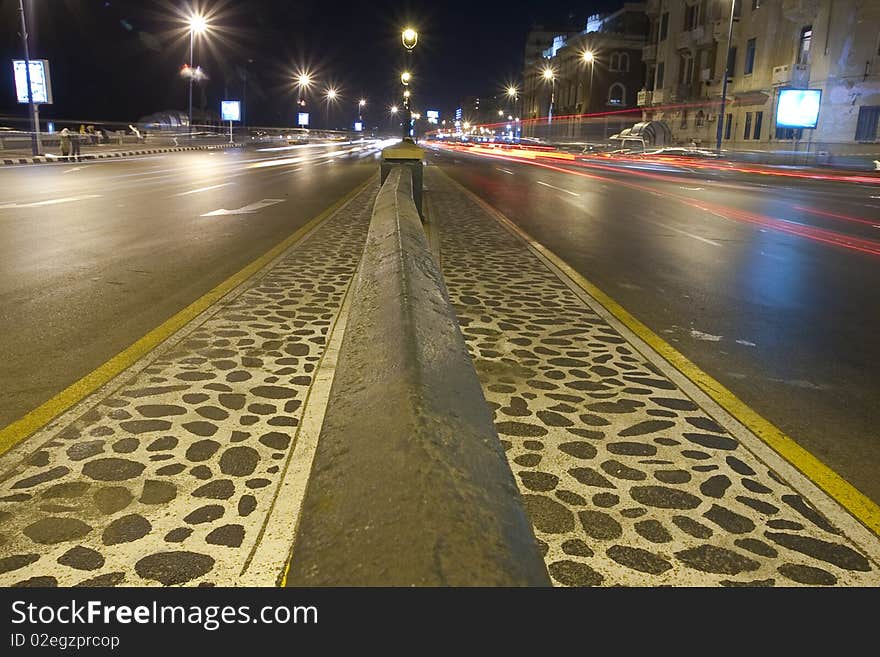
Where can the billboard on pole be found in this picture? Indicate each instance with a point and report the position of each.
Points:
(798, 108)
(230, 110)
(41, 81)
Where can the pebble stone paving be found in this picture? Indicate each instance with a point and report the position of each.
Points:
(625, 479)
(169, 479)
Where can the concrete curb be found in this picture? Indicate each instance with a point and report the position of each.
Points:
(115, 154)
(410, 485)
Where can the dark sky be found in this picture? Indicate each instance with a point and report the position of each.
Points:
(120, 59)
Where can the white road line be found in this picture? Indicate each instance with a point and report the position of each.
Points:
(204, 189)
(252, 208)
(72, 170)
(556, 188)
(506, 171)
(685, 233)
(54, 201)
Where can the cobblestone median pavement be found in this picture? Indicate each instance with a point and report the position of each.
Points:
(169, 477)
(626, 479)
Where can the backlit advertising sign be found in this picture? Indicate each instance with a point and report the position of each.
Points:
(230, 110)
(798, 108)
(41, 81)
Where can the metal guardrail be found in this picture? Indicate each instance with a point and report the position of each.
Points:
(410, 485)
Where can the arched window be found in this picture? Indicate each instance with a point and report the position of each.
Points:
(701, 119)
(614, 62)
(617, 94)
(623, 62)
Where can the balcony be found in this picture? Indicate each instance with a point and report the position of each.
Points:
(644, 98)
(795, 75)
(649, 53)
(690, 39)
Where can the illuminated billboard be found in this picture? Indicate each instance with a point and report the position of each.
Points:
(433, 116)
(358, 126)
(230, 110)
(302, 118)
(798, 108)
(41, 81)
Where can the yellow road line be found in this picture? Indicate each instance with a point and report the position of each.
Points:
(850, 498)
(14, 433)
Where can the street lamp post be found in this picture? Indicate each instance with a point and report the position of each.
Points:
(361, 103)
(330, 97)
(36, 146)
(513, 94)
(718, 132)
(590, 58)
(551, 77)
(303, 82)
(197, 25)
(410, 38)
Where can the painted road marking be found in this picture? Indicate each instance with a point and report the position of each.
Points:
(556, 188)
(12, 434)
(74, 169)
(54, 201)
(685, 233)
(763, 438)
(253, 208)
(204, 189)
(506, 171)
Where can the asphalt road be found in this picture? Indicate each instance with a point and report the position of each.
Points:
(95, 255)
(770, 284)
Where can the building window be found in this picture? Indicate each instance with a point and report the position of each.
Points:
(664, 26)
(619, 62)
(868, 126)
(700, 119)
(750, 56)
(756, 4)
(731, 62)
(617, 94)
(661, 69)
(803, 56)
(729, 126)
(686, 70)
(691, 17)
(747, 131)
(684, 119)
(759, 119)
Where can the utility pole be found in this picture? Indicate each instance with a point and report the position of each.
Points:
(36, 145)
(718, 133)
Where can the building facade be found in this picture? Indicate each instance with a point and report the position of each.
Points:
(605, 82)
(829, 45)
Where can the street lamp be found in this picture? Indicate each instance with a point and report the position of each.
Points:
(36, 146)
(550, 77)
(513, 94)
(410, 38)
(330, 95)
(590, 58)
(718, 132)
(198, 24)
(405, 77)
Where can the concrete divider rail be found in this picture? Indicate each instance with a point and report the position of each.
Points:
(409, 486)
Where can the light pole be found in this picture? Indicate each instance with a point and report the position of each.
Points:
(393, 114)
(590, 58)
(410, 38)
(550, 77)
(718, 132)
(303, 82)
(197, 25)
(513, 94)
(330, 97)
(36, 146)
(361, 104)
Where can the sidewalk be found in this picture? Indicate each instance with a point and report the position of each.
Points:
(170, 474)
(626, 479)
(24, 156)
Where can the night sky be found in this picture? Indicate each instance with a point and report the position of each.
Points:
(120, 59)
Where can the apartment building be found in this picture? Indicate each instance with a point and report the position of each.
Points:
(829, 45)
(607, 79)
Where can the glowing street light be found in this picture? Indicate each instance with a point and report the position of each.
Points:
(410, 38)
(406, 94)
(550, 76)
(198, 24)
(394, 109)
(405, 77)
(330, 96)
(588, 56)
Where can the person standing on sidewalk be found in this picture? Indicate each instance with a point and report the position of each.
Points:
(65, 143)
(75, 140)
